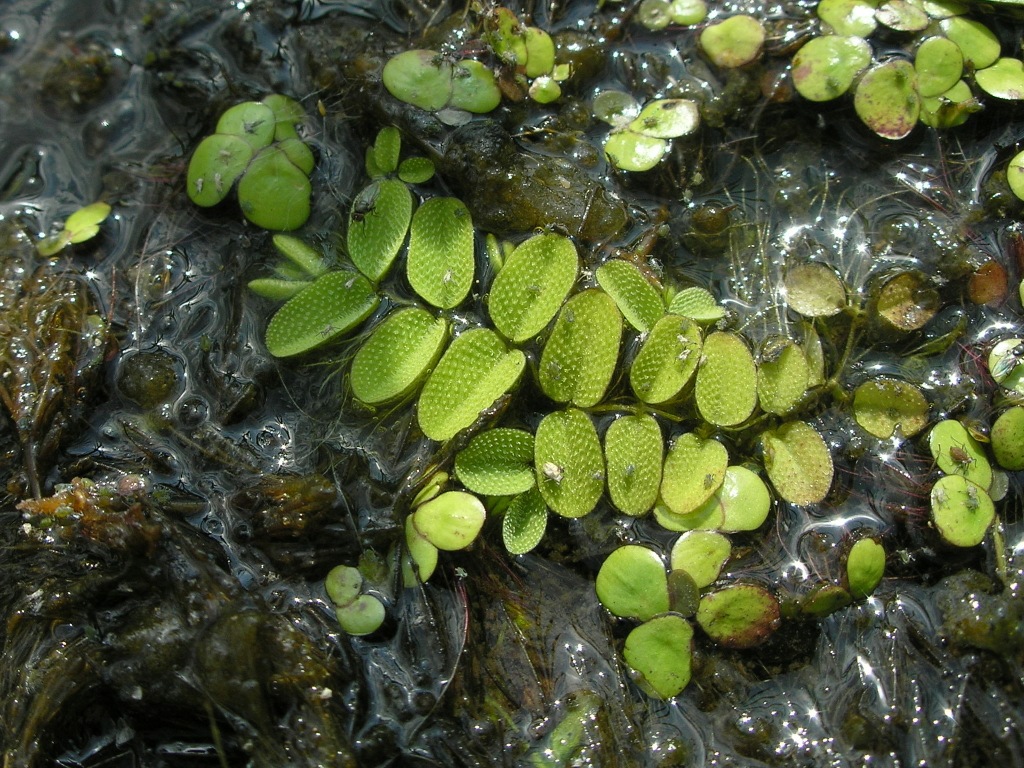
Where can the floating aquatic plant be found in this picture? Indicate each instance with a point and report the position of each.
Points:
(640, 137)
(256, 145)
(80, 226)
(357, 613)
(892, 94)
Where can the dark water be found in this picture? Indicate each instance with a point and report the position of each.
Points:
(181, 619)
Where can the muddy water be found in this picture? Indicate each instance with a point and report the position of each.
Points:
(179, 617)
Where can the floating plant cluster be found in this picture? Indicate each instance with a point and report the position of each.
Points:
(661, 440)
(257, 146)
(523, 59)
(946, 59)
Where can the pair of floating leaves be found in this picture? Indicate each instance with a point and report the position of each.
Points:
(473, 373)
(641, 137)
(658, 14)
(741, 503)
(256, 144)
(441, 521)
(80, 226)
(428, 80)
(302, 264)
(357, 613)
(382, 159)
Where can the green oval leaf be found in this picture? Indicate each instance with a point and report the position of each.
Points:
(956, 452)
(961, 511)
(633, 583)
(849, 17)
(274, 193)
(450, 521)
(865, 566)
(377, 224)
(441, 261)
(581, 353)
(887, 100)
(215, 166)
(825, 67)
(250, 121)
(532, 285)
(418, 77)
(744, 499)
(739, 616)
(421, 556)
(497, 462)
(939, 64)
(697, 304)
(569, 463)
(288, 113)
(343, 584)
(476, 370)
(814, 290)
(299, 153)
(637, 300)
(363, 616)
(978, 43)
(334, 304)
(540, 52)
(702, 554)
(884, 404)
(306, 258)
(397, 355)
(667, 359)
(666, 119)
(782, 376)
(416, 170)
(630, 151)
(734, 42)
(797, 462)
(525, 521)
(474, 88)
(386, 149)
(1004, 79)
(726, 386)
(633, 449)
(694, 470)
(1008, 439)
(659, 654)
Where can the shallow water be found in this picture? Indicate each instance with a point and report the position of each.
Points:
(191, 627)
